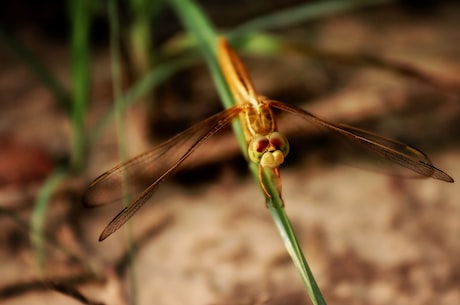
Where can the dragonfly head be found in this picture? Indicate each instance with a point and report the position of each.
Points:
(268, 151)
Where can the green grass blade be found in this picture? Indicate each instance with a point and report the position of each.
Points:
(80, 12)
(198, 25)
(292, 245)
(154, 78)
(120, 126)
(301, 13)
(39, 214)
(34, 229)
(140, 34)
(275, 206)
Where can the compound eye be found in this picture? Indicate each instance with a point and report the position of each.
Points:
(257, 147)
(280, 142)
(259, 144)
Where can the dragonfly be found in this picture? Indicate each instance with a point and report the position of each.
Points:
(266, 146)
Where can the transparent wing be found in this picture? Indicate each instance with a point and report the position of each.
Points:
(153, 167)
(394, 151)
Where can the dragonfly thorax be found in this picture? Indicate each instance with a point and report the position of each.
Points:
(257, 119)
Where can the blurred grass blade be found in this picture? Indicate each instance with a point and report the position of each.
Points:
(80, 12)
(198, 25)
(39, 233)
(301, 13)
(141, 44)
(149, 82)
(37, 67)
(115, 53)
(39, 214)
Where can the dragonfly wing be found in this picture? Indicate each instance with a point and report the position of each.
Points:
(394, 151)
(157, 164)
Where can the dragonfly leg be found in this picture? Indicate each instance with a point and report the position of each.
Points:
(279, 185)
(262, 185)
(276, 173)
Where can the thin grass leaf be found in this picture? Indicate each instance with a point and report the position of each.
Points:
(141, 34)
(301, 13)
(80, 12)
(198, 25)
(120, 126)
(275, 206)
(149, 82)
(39, 233)
(39, 214)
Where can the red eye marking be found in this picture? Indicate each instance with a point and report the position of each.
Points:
(276, 140)
(260, 144)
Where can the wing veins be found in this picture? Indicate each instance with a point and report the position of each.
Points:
(422, 167)
(188, 141)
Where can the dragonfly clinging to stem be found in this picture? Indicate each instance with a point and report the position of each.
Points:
(265, 145)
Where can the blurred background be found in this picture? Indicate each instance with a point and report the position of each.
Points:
(86, 84)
